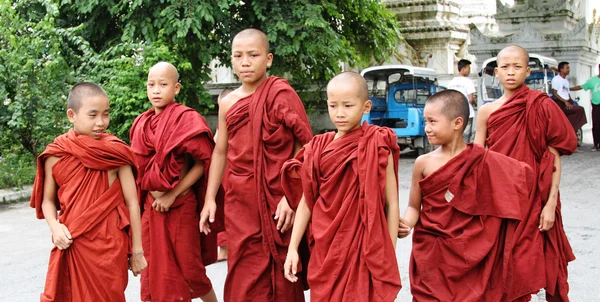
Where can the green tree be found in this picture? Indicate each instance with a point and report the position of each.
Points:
(34, 78)
(309, 38)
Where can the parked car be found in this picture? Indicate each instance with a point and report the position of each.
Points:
(398, 93)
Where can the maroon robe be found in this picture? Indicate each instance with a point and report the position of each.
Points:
(343, 181)
(94, 267)
(175, 250)
(523, 128)
(262, 129)
(463, 240)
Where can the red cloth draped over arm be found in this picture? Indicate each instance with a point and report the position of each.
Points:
(463, 240)
(275, 107)
(523, 128)
(343, 181)
(94, 267)
(176, 251)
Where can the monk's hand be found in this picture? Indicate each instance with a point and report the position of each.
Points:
(61, 236)
(403, 228)
(163, 203)
(284, 216)
(137, 262)
(290, 267)
(207, 215)
(547, 218)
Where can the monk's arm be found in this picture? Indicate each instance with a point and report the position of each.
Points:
(481, 125)
(292, 259)
(548, 212)
(137, 260)
(391, 200)
(164, 202)
(411, 216)
(190, 178)
(60, 233)
(215, 173)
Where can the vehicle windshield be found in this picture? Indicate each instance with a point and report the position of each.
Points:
(416, 92)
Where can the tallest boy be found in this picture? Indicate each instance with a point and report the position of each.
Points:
(261, 125)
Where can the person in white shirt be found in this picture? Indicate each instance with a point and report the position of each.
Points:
(560, 92)
(465, 85)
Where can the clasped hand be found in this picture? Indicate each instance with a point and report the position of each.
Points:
(163, 203)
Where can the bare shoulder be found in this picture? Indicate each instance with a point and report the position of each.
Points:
(489, 108)
(50, 162)
(431, 161)
(230, 99)
(422, 161)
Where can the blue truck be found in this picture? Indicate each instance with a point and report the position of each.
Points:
(398, 94)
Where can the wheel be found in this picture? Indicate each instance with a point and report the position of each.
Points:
(579, 134)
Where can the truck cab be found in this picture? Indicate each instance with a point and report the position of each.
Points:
(398, 94)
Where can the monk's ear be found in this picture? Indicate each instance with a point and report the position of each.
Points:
(177, 88)
(71, 115)
(496, 72)
(269, 60)
(458, 123)
(528, 71)
(367, 106)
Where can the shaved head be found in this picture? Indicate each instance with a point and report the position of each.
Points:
(167, 69)
(82, 91)
(454, 104)
(514, 49)
(255, 34)
(351, 80)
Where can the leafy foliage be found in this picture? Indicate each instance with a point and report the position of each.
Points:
(34, 78)
(49, 45)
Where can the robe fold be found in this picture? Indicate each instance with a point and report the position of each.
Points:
(523, 128)
(262, 129)
(463, 240)
(175, 250)
(94, 267)
(343, 181)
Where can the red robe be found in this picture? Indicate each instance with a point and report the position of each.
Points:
(175, 250)
(523, 128)
(94, 267)
(462, 242)
(343, 180)
(262, 129)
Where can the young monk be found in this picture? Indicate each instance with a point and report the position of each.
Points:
(88, 176)
(465, 204)
(222, 236)
(173, 144)
(261, 125)
(528, 126)
(350, 194)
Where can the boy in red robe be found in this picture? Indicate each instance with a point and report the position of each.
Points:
(172, 144)
(88, 176)
(528, 126)
(261, 125)
(222, 236)
(349, 184)
(465, 204)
